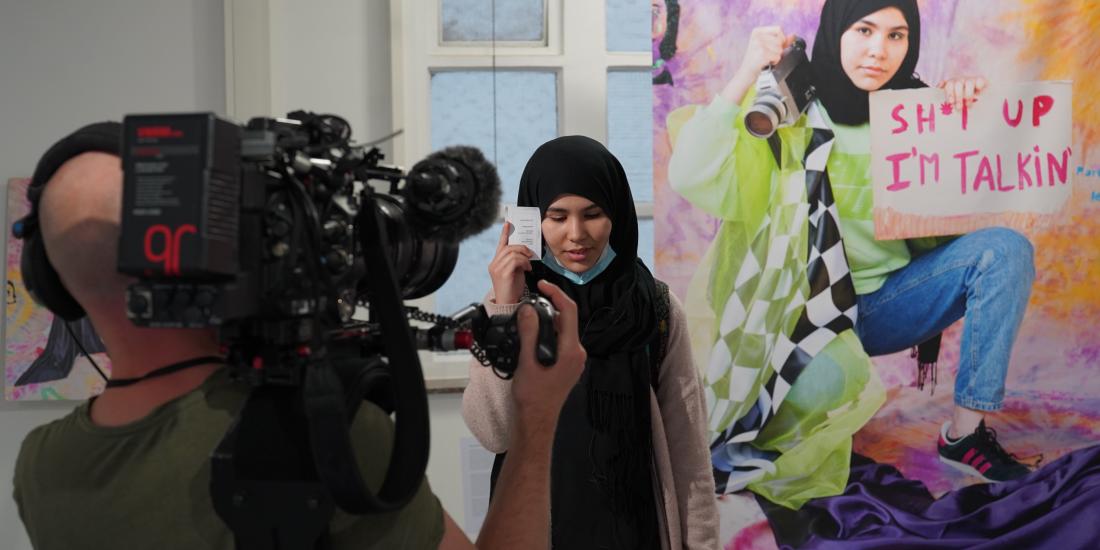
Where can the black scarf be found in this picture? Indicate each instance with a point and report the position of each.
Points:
(845, 103)
(601, 474)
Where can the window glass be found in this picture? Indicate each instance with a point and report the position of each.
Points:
(472, 20)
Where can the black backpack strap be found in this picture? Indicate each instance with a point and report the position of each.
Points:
(662, 307)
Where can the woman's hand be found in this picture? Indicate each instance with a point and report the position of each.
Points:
(507, 268)
(765, 47)
(962, 91)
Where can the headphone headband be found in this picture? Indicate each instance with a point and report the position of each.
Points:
(39, 276)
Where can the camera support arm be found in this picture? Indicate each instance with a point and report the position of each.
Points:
(288, 460)
(411, 432)
(263, 481)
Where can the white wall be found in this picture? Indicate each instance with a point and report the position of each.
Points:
(64, 63)
(333, 56)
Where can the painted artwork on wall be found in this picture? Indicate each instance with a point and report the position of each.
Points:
(44, 356)
(1052, 401)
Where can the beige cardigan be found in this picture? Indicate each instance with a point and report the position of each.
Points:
(684, 481)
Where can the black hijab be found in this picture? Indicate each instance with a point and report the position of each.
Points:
(601, 475)
(622, 296)
(845, 103)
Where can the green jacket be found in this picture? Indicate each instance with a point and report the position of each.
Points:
(750, 287)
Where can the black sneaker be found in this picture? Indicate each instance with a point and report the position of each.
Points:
(979, 454)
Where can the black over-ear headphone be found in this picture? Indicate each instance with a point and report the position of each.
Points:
(39, 276)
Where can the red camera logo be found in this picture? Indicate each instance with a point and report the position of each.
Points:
(168, 253)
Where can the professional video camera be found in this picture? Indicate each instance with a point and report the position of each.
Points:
(783, 92)
(276, 234)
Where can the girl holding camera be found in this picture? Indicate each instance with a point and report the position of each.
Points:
(630, 466)
(884, 296)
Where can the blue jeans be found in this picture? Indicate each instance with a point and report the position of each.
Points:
(984, 276)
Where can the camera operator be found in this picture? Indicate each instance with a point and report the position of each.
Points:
(130, 468)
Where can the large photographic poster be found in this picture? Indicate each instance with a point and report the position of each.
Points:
(42, 358)
(1053, 386)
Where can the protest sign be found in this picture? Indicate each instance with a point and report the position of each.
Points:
(1005, 160)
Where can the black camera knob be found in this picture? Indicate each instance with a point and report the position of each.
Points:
(181, 300)
(204, 298)
(279, 228)
(138, 304)
(192, 316)
(335, 230)
(162, 297)
(337, 260)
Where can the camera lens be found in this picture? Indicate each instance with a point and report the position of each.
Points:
(764, 115)
(760, 124)
(420, 264)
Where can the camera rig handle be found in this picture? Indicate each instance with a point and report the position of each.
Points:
(409, 458)
(546, 348)
(497, 341)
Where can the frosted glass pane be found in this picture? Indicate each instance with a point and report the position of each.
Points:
(629, 24)
(470, 280)
(526, 116)
(462, 114)
(630, 128)
(472, 20)
(645, 242)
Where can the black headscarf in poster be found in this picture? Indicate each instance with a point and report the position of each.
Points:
(602, 492)
(845, 103)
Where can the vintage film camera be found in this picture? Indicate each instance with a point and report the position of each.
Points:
(783, 92)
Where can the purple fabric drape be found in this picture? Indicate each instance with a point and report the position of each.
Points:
(1057, 506)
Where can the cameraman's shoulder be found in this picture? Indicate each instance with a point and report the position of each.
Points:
(372, 420)
(418, 524)
(55, 431)
(372, 435)
(47, 443)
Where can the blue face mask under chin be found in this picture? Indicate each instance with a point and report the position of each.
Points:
(551, 262)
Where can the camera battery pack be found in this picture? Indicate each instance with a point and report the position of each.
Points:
(181, 197)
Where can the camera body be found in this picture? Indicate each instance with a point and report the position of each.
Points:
(783, 92)
(279, 234)
(261, 231)
(498, 342)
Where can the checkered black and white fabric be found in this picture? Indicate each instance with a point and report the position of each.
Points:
(828, 310)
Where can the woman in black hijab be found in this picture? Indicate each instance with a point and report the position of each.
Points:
(835, 80)
(630, 466)
(841, 78)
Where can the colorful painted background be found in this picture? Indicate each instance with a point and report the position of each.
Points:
(27, 328)
(1053, 388)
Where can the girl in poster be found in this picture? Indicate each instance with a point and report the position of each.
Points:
(800, 296)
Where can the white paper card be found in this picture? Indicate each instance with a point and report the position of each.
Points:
(527, 224)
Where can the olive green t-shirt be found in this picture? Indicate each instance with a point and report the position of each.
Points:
(146, 484)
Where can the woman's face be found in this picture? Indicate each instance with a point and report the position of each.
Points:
(576, 231)
(872, 49)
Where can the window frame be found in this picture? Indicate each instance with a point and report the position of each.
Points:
(576, 51)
